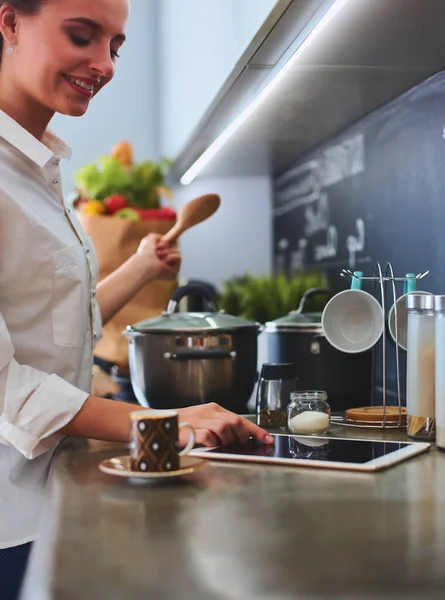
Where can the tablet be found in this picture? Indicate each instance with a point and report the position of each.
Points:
(329, 453)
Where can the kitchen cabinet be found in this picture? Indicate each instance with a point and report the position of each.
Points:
(367, 54)
(200, 43)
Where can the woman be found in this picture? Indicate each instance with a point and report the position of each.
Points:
(55, 56)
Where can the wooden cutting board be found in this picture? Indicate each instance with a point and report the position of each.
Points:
(374, 414)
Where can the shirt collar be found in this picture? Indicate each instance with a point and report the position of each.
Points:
(27, 144)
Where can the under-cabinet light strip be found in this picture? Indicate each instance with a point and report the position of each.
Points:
(220, 141)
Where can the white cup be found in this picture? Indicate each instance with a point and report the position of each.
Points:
(353, 320)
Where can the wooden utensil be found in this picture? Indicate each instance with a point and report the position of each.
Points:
(191, 214)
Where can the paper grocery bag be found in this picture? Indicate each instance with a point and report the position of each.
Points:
(115, 240)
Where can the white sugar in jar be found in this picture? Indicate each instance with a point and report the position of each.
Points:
(309, 412)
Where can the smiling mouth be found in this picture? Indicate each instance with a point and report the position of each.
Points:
(86, 89)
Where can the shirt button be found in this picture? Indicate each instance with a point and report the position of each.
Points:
(95, 334)
(55, 181)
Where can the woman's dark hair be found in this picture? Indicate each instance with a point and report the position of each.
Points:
(26, 7)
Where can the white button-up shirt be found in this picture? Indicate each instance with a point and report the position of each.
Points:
(48, 321)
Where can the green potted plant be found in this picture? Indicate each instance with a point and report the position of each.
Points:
(269, 297)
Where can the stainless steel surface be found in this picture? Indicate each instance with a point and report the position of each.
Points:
(173, 370)
(373, 51)
(419, 302)
(350, 275)
(187, 358)
(380, 281)
(241, 532)
(439, 303)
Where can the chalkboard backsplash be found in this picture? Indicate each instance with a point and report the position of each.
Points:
(375, 192)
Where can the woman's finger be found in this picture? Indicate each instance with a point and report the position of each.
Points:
(252, 430)
(259, 434)
(238, 425)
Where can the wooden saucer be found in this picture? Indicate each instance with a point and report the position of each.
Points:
(374, 414)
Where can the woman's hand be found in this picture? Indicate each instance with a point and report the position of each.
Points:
(153, 260)
(161, 260)
(215, 426)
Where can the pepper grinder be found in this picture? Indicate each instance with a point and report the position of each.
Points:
(277, 382)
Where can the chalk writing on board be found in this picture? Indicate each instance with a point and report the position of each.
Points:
(298, 257)
(330, 248)
(342, 161)
(317, 216)
(304, 191)
(356, 243)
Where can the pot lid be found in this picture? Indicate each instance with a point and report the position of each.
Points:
(296, 320)
(299, 319)
(192, 322)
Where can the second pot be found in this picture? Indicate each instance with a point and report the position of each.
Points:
(298, 338)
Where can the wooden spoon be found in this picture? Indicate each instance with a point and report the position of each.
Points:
(191, 214)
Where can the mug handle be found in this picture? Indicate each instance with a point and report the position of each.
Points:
(356, 283)
(191, 441)
(410, 284)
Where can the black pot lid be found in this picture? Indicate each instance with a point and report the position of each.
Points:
(296, 320)
(192, 322)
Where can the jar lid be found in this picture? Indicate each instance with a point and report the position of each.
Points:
(439, 303)
(275, 371)
(419, 302)
(309, 395)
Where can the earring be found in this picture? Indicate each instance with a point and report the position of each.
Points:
(10, 50)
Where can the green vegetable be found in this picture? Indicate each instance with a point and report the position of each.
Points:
(108, 177)
(128, 213)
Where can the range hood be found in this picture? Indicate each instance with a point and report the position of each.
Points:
(369, 53)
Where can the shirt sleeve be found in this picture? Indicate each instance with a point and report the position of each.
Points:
(34, 405)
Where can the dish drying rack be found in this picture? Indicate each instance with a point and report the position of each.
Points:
(381, 282)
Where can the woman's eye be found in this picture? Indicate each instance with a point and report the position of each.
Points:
(114, 54)
(79, 41)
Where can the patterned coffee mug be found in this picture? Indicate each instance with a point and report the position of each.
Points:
(154, 440)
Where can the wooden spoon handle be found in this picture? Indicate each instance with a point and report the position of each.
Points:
(172, 235)
(193, 212)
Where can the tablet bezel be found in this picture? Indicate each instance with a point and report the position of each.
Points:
(377, 464)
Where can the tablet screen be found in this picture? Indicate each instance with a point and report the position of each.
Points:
(314, 449)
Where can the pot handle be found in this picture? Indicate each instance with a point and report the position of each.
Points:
(309, 294)
(200, 355)
(130, 333)
(192, 288)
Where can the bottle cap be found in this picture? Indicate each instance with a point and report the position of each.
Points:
(419, 302)
(439, 303)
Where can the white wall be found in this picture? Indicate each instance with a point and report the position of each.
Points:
(200, 42)
(127, 108)
(238, 238)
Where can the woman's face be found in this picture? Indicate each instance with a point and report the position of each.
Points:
(67, 52)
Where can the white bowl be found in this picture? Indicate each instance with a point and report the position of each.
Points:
(353, 321)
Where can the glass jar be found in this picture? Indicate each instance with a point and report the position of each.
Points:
(420, 367)
(309, 412)
(277, 381)
(439, 306)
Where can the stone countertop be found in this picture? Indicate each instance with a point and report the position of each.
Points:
(233, 532)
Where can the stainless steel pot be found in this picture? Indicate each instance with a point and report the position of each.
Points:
(298, 338)
(188, 358)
